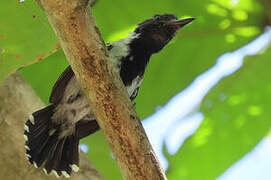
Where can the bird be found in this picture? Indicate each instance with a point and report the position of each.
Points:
(52, 134)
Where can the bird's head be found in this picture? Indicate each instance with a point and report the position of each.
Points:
(159, 30)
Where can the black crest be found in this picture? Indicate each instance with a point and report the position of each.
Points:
(159, 30)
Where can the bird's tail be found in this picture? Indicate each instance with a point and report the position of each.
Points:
(45, 148)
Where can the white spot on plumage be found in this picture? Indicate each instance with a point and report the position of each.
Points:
(26, 147)
(55, 173)
(74, 167)
(27, 155)
(35, 165)
(26, 128)
(45, 171)
(31, 119)
(135, 84)
(65, 174)
(131, 58)
(25, 137)
(121, 49)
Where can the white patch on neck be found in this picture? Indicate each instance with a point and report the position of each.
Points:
(121, 49)
(131, 58)
(135, 84)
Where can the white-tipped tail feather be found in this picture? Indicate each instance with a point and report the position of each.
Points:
(55, 173)
(26, 147)
(74, 167)
(35, 165)
(32, 120)
(44, 170)
(27, 155)
(26, 138)
(26, 128)
(65, 174)
(59, 156)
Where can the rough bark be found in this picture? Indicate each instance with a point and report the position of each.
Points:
(267, 6)
(17, 102)
(85, 50)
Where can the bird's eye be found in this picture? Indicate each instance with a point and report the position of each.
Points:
(157, 17)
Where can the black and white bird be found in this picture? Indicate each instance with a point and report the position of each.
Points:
(52, 134)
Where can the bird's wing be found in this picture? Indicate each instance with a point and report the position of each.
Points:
(60, 85)
(62, 82)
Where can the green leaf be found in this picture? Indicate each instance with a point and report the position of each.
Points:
(239, 119)
(25, 36)
(43, 75)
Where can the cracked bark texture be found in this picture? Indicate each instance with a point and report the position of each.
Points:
(84, 48)
(267, 6)
(17, 101)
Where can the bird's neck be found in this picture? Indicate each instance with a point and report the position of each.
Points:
(135, 63)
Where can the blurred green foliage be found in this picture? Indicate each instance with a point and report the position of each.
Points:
(237, 116)
(25, 36)
(228, 130)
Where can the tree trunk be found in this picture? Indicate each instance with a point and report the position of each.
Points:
(267, 6)
(17, 101)
(85, 50)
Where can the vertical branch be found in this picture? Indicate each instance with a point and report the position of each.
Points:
(85, 50)
(267, 6)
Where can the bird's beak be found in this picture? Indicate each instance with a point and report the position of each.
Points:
(177, 24)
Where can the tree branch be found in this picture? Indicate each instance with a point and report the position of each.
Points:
(267, 6)
(85, 50)
(17, 101)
